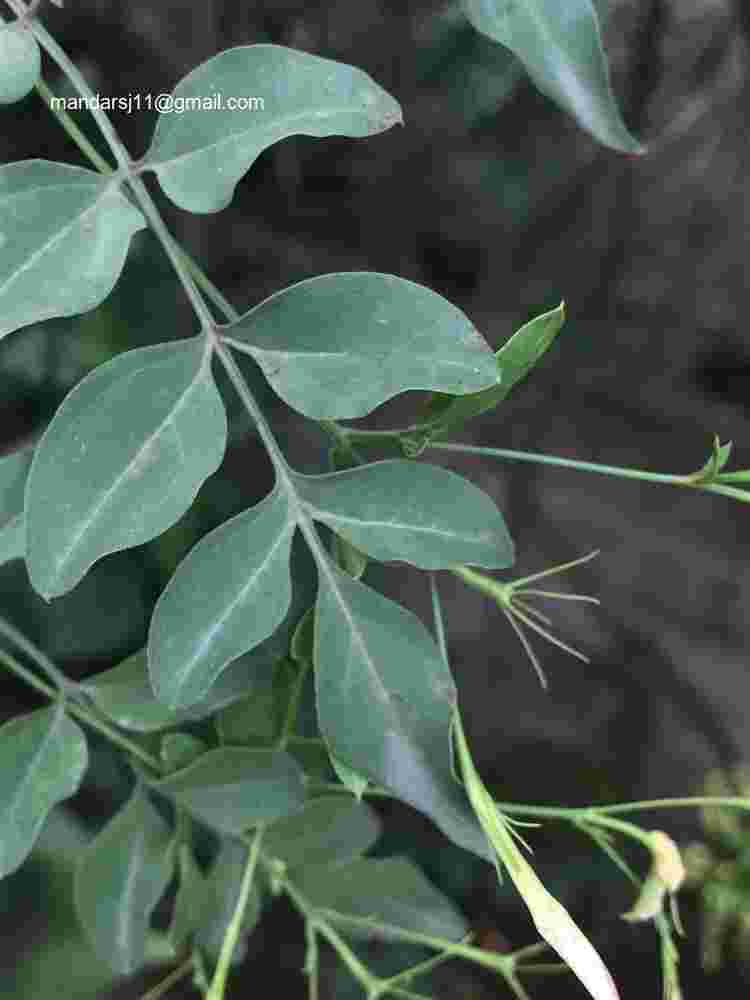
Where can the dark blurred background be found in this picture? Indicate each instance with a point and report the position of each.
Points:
(496, 199)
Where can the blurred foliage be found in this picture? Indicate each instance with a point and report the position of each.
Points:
(719, 869)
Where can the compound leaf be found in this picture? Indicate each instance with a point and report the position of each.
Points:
(228, 594)
(200, 154)
(379, 893)
(120, 878)
(233, 788)
(122, 460)
(338, 345)
(64, 235)
(385, 702)
(330, 830)
(412, 512)
(560, 45)
(43, 758)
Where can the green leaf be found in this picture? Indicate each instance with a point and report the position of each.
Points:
(122, 875)
(222, 892)
(124, 694)
(257, 719)
(200, 154)
(330, 830)
(122, 460)
(301, 648)
(191, 901)
(711, 470)
(338, 345)
(233, 788)
(349, 778)
(14, 470)
(64, 234)
(348, 557)
(385, 702)
(515, 359)
(20, 61)
(560, 45)
(13, 539)
(178, 750)
(415, 513)
(229, 594)
(43, 758)
(382, 891)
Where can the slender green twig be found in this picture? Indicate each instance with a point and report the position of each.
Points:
(81, 713)
(174, 977)
(292, 711)
(26, 675)
(567, 463)
(232, 934)
(37, 655)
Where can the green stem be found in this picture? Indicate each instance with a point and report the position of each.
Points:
(80, 712)
(492, 588)
(311, 961)
(70, 126)
(232, 935)
(691, 802)
(70, 70)
(162, 988)
(318, 924)
(26, 675)
(626, 829)
(421, 969)
(292, 710)
(568, 463)
(34, 653)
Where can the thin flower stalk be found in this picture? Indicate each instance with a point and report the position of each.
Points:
(513, 599)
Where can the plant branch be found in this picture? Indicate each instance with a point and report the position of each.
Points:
(232, 934)
(34, 653)
(174, 977)
(81, 713)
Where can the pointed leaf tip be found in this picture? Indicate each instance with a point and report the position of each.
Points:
(560, 46)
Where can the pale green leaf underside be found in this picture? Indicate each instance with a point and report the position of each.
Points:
(411, 512)
(385, 700)
(20, 62)
(384, 892)
(120, 878)
(122, 460)
(64, 236)
(228, 595)
(329, 830)
(560, 46)
(233, 788)
(200, 155)
(338, 345)
(125, 695)
(43, 758)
